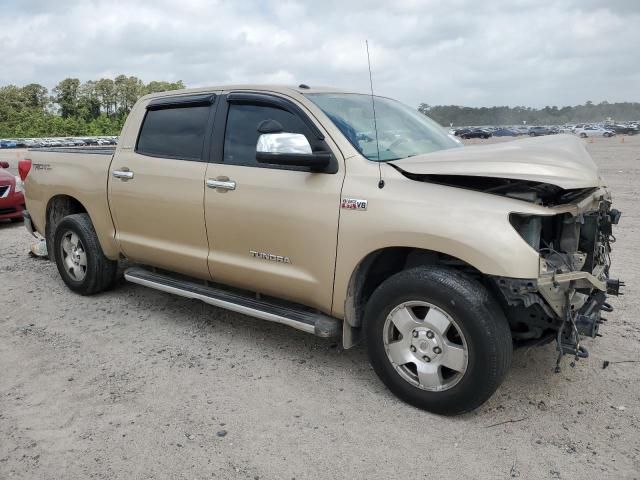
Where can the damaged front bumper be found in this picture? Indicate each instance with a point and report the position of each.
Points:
(568, 298)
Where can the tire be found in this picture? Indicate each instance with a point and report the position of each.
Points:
(532, 134)
(583, 135)
(75, 243)
(477, 341)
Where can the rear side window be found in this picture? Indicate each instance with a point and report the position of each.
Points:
(241, 134)
(174, 132)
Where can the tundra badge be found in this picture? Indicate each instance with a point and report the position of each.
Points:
(269, 256)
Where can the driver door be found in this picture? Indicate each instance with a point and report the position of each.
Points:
(271, 229)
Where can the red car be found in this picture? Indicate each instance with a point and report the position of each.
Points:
(11, 195)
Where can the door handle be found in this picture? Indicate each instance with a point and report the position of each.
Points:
(225, 184)
(124, 174)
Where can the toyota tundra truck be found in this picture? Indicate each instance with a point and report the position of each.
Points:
(341, 214)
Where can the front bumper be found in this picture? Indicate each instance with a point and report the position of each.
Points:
(568, 298)
(12, 205)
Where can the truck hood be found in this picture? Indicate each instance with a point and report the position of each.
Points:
(560, 160)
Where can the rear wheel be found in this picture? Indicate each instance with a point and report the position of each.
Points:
(583, 135)
(437, 339)
(79, 256)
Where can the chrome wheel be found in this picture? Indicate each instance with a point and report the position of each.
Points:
(74, 257)
(425, 346)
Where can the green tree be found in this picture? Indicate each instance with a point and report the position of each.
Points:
(35, 96)
(106, 93)
(155, 86)
(65, 94)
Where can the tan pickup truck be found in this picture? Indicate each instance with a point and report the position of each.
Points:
(302, 206)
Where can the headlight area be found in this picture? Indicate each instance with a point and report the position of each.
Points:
(567, 299)
(19, 185)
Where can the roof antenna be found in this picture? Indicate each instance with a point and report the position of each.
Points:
(375, 123)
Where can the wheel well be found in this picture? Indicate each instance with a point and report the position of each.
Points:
(59, 207)
(376, 267)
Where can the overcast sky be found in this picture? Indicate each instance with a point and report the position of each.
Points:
(463, 52)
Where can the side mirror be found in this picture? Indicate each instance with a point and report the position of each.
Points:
(4, 164)
(290, 149)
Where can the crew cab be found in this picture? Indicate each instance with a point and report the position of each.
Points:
(339, 213)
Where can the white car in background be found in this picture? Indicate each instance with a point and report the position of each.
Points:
(593, 131)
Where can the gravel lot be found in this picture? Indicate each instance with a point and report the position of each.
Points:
(137, 384)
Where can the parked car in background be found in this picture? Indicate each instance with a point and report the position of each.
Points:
(7, 143)
(593, 131)
(11, 195)
(505, 132)
(522, 130)
(538, 131)
(624, 129)
(473, 133)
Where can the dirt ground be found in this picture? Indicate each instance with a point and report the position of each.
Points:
(138, 384)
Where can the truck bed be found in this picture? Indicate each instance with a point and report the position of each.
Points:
(81, 173)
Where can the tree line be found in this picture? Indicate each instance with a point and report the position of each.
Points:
(99, 107)
(73, 108)
(587, 113)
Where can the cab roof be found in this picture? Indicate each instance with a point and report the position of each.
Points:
(284, 89)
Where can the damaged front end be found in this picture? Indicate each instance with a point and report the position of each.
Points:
(568, 222)
(568, 298)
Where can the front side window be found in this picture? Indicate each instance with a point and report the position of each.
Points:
(174, 132)
(241, 135)
(402, 131)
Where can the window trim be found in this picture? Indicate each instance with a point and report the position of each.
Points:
(182, 101)
(267, 99)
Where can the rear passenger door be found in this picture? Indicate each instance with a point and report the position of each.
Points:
(156, 187)
(273, 229)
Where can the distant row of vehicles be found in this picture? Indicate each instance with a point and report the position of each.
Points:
(58, 142)
(581, 129)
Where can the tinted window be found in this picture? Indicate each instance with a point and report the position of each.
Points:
(174, 132)
(241, 134)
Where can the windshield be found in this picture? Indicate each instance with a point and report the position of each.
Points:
(402, 131)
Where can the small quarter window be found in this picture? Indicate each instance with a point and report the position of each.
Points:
(174, 132)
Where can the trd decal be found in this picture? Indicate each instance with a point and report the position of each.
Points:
(354, 204)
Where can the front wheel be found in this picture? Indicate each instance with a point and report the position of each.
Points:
(437, 339)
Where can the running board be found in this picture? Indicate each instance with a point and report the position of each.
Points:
(305, 320)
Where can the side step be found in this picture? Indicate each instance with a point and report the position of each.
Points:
(293, 316)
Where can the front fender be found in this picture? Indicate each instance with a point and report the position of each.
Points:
(470, 226)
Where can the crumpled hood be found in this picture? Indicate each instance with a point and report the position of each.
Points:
(560, 160)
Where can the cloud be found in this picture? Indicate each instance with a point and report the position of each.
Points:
(518, 52)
